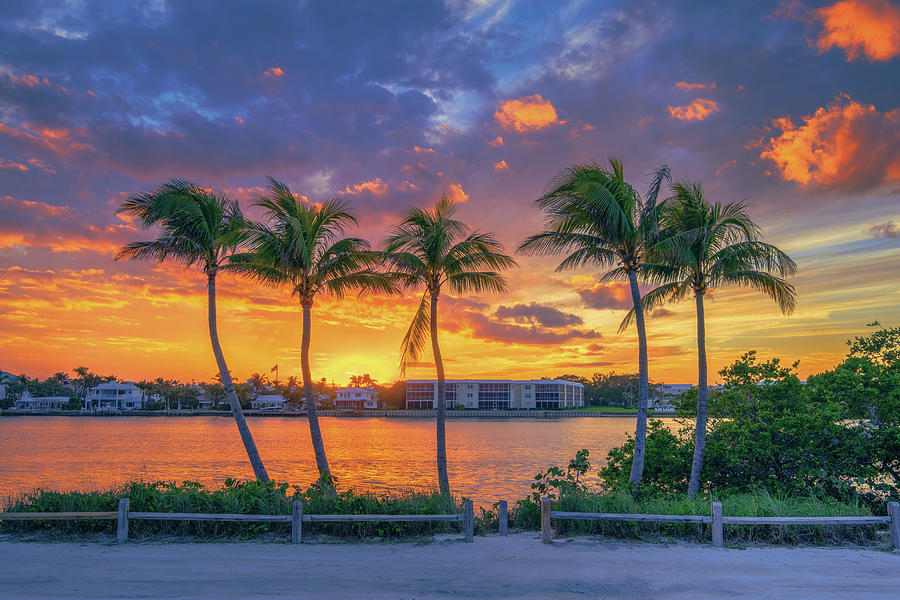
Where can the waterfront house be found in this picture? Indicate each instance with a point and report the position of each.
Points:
(358, 398)
(666, 395)
(6, 379)
(268, 402)
(114, 396)
(496, 394)
(29, 403)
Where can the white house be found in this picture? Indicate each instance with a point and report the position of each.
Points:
(354, 397)
(6, 378)
(667, 394)
(27, 402)
(115, 396)
(268, 402)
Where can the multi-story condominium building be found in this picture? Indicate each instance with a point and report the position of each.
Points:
(495, 394)
(115, 396)
(354, 397)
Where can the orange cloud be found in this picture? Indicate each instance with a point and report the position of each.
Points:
(375, 186)
(273, 72)
(696, 110)
(11, 164)
(456, 193)
(684, 85)
(869, 28)
(845, 143)
(528, 113)
(501, 166)
(496, 142)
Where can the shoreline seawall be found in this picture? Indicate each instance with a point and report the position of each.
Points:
(349, 414)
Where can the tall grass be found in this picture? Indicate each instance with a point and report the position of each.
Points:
(233, 497)
(761, 503)
(271, 498)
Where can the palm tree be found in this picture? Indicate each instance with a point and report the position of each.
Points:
(704, 246)
(300, 247)
(197, 227)
(597, 218)
(430, 249)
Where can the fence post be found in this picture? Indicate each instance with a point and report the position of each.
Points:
(297, 522)
(718, 536)
(503, 517)
(546, 531)
(470, 521)
(122, 525)
(894, 513)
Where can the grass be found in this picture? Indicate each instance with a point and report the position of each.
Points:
(526, 515)
(233, 498)
(271, 498)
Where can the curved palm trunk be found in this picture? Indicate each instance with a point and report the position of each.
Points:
(640, 430)
(249, 445)
(700, 434)
(315, 433)
(443, 478)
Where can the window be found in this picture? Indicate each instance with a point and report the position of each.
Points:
(419, 395)
(493, 396)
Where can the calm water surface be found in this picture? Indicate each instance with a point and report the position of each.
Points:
(488, 459)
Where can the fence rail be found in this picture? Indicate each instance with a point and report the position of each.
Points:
(718, 521)
(296, 518)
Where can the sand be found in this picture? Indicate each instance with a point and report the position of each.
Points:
(492, 567)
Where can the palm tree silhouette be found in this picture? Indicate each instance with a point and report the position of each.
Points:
(197, 227)
(430, 249)
(300, 247)
(597, 218)
(704, 246)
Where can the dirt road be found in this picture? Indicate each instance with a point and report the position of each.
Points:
(492, 567)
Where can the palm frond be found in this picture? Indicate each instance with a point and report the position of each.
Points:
(417, 335)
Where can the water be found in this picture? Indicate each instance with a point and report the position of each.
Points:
(488, 459)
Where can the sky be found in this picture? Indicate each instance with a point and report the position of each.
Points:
(791, 107)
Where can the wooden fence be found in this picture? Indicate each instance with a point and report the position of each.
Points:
(296, 518)
(718, 521)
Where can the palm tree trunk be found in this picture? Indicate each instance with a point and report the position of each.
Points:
(700, 434)
(443, 478)
(640, 430)
(315, 433)
(249, 445)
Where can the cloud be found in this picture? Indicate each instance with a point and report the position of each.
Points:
(498, 166)
(528, 113)
(696, 110)
(888, 229)
(613, 296)
(456, 193)
(845, 144)
(375, 186)
(869, 28)
(660, 313)
(496, 142)
(483, 327)
(273, 72)
(684, 85)
(537, 314)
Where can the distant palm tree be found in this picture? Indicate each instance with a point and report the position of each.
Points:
(704, 246)
(197, 227)
(300, 247)
(430, 249)
(598, 219)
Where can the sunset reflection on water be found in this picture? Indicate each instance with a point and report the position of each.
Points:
(489, 459)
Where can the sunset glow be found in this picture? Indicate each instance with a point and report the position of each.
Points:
(786, 108)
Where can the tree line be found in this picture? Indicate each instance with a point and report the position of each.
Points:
(680, 245)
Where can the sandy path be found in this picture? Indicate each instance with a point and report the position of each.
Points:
(492, 567)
